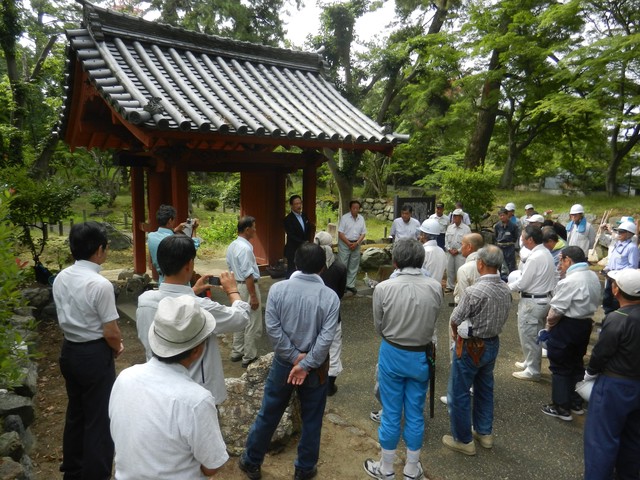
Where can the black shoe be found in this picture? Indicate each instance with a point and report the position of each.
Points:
(250, 470)
(332, 387)
(352, 290)
(557, 411)
(234, 358)
(246, 363)
(302, 475)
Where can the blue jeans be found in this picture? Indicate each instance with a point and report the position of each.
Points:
(403, 380)
(277, 393)
(464, 373)
(612, 430)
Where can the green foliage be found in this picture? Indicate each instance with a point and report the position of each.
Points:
(13, 347)
(98, 199)
(36, 202)
(211, 204)
(230, 194)
(219, 231)
(476, 189)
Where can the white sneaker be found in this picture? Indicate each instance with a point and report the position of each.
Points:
(417, 476)
(373, 470)
(376, 415)
(519, 365)
(526, 376)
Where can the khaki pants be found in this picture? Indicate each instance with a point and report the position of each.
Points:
(244, 343)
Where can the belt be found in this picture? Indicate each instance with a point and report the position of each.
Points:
(90, 342)
(506, 243)
(255, 280)
(531, 295)
(410, 348)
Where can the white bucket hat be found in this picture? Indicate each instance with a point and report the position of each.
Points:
(179, 325)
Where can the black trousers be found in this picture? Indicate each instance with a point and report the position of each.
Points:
(566, 348)
(87, 447)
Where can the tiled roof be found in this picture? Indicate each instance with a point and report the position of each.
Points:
(159, 77)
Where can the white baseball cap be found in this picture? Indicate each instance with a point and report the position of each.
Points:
(431, 226)
(457, 211)
(628, 280)
(577, 208)
(510, 207)
(179, 325)
(528, 206)
(537, 218)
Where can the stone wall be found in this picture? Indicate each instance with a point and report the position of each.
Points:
(17, 414)
(380, 208)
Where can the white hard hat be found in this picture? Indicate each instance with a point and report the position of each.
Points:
(627, 227)
(514, 276)
(537, 218)
(577, 208)
(511, 207)
(430, 226)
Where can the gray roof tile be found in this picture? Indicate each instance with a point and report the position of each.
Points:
(165, 78)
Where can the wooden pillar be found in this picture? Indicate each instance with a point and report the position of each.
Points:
(309, 192)
(138, 220)
(262, 196)
(180, 192)
(159, 192)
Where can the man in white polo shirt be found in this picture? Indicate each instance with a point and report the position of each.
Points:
(351, 233)
(165, 425)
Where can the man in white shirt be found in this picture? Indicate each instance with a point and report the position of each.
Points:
(569, 324)
(435, 260)
(443, 220)
(176, 255)
(165, 425)
(468, 273)
(453, 244)
(405, 226)
(242, 262)
(88, 317)
(538, 279)
(580, 232)
(351, 233)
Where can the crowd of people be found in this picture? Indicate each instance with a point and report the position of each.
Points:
(160, 419)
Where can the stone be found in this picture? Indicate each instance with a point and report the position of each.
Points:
(28, 386)
(37, 297)
(12, 404)
(244, 398)
(10, 470)
(373, 258)
(11, 446)
(117, 239)
(49, 312)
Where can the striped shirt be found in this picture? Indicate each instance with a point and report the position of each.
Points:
(486, 305)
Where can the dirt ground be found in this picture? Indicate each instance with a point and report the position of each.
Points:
(342, 448)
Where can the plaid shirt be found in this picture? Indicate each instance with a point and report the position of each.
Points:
(486, 305)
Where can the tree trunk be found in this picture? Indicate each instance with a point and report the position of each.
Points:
(506, 180)
(481, 137)
(343, 176)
